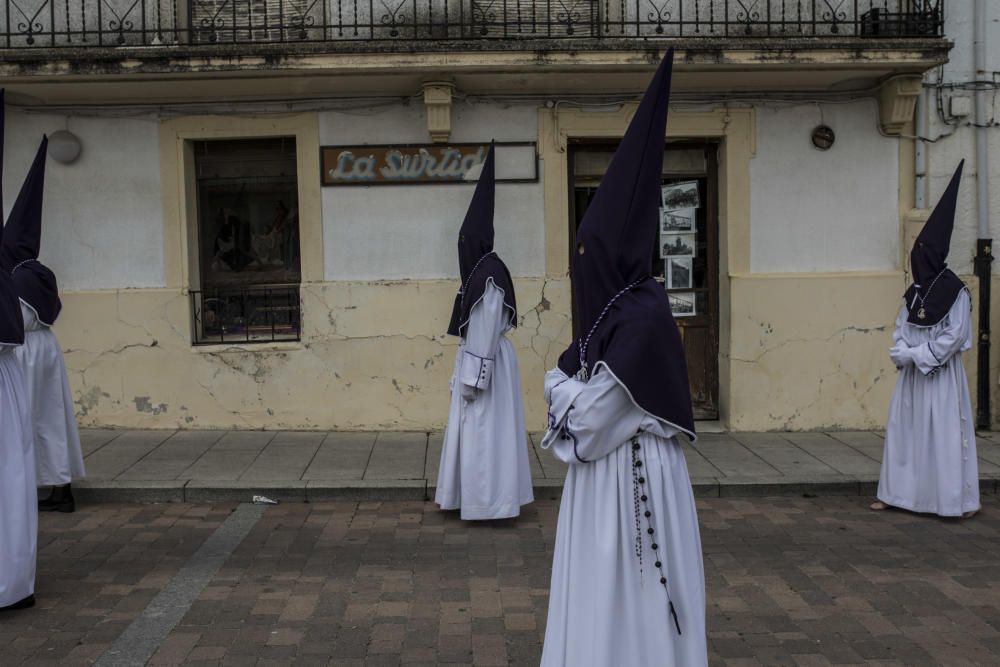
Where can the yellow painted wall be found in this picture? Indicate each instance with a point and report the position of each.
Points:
(807, 352)
(373, 355)
(811, 350)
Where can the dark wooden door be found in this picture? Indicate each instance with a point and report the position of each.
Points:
(686, 256)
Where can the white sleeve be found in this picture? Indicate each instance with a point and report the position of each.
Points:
(588, 421)
(487, 322)
(956, 336)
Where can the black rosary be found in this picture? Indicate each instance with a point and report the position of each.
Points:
(639, 495)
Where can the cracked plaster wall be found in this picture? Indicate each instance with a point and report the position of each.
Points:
(813, 352)
(373, 356)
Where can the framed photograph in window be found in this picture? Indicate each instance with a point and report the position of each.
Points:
(677, 220)
(681, 195)
(677, 245)
(682, 304)
(680, 273)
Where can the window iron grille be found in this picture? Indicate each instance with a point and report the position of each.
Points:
(246, 315)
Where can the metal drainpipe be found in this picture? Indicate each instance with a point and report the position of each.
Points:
(984, 255)
(920, 154)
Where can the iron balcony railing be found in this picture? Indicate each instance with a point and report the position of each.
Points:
(124, 23)
(240, 315)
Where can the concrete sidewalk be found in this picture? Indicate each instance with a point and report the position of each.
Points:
(214, 466)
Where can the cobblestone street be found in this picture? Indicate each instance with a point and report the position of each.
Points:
(796, 581)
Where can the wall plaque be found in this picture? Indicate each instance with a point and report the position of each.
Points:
(423, 164)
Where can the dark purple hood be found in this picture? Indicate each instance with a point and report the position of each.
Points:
(34, 283)
(637, 339)
(476, 259)
(934, 287)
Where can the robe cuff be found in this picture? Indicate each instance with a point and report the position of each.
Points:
(926, 361)
(476, 371)
(562, 396)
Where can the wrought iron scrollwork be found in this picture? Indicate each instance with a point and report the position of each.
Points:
(394, 18)
(747, 15)
(304, 22)
(568, 16)
(483, 14)
(834, 15)
(30, 26)
(658, 16)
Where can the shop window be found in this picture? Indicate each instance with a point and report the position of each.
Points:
(249, 262)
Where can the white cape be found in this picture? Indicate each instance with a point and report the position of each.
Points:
(929, 464)
(18, 497)
(607, 604)
(484, 460)
(58, 457)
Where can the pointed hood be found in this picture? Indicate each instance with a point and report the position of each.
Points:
(34, 283)
(624, 315)
(477, 262)
(11, 322)
(475, 238)
(935, 287)
(619, 229)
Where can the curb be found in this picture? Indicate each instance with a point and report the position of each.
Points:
(296, 491)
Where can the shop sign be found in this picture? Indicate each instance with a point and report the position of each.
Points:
(422, 164)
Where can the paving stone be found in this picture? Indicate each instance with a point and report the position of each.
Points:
(122, 453)
(783, 454)
(92, 439)
(839, 456)
(342, 456)
(286, 457)
(732, 458)
(173, 456)
(398, 455)
(796, 581)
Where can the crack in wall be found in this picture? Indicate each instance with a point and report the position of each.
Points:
(812, 339)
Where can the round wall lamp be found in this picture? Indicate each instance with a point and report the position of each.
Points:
(64, 147)
(823, 137)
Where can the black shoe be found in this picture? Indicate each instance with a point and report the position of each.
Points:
(61, 500)
(26, 603)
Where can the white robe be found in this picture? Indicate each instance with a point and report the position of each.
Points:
(929, 464)
(484, 460)
(605, 608)
(58, 456)
(18, 497)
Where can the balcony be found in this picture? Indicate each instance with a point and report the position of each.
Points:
(352, 25)
(67, 52)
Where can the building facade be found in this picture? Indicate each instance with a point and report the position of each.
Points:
(259, 230)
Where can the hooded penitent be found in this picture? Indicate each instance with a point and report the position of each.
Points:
(34, 283)
(624, 314)
(476, 260)
(11, 324)
(934, 287)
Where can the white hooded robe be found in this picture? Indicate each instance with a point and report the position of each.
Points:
(484, 460)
